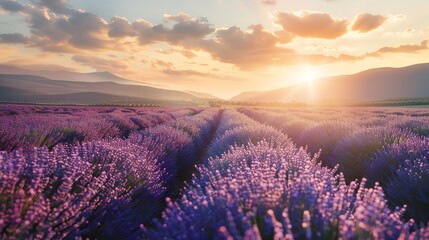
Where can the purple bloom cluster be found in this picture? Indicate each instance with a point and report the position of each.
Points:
(193, 173)
(231, 132)
(324, 136)
(403, 169)
(388, 159)
(97, 189)
(409, 186)
(266, 192)
(68, 191)
(30, 126)
(354, 151)
(376, 144)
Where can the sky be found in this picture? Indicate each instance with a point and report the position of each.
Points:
(214, 46)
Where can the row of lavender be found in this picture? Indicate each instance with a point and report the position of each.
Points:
(99, 189)
(24, 126)
(387, 146)
(253, 183)
(264, 187)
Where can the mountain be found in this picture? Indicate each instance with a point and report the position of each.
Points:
(203, 95)
(68, 75)
(16, 87)
(370, 85)
(248, 96)
(83, 98)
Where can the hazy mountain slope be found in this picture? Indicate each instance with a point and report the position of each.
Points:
(202, 95)
(374, 84)
(67, 75)
(43, 86)
(80, 98)
(246, 96)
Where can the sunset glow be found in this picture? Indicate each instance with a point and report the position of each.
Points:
(309, 74)
(309, 77)
(191, 45)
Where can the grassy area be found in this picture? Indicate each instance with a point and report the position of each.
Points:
(410, 106)
(397, 103)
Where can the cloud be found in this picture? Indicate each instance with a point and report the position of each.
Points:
(120, 27)
(100, 64)
(13, 38)
(56, 6)
(74, 32)
(184, 28)
(185, 73)
(163, 64)
(312, 24)
(366, 22)
(11, 6)
(168, 68)
(186, 53)
(54, 27)
(258, 48)
(189, 28)
(180, 17)
(246, 49)
(254, 49)
(284, 36)
(269, 2)
(406, 48)
(85, 30)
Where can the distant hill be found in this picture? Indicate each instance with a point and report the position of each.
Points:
(83, 98)
(203, 95)
(370, 85)
(15, 88)
(68, 76)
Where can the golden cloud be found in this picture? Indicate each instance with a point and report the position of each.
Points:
(312, 24)
(366, 22)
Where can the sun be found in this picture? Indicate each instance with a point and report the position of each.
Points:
(308, 74)
(309, 77)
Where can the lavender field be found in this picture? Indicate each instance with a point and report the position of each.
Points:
(77, 172)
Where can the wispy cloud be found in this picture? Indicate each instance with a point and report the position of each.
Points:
(269, 2)
(406, 48)
(312, 24)
(163, 64)
(185, 73)
(100, 64)
(367, 22)
(186, 53)
(13, 38)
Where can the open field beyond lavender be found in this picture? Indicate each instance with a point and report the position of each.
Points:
(209, 173)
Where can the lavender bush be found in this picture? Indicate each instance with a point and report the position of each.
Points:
(409, 186)
(192, 173)
(324, 137)
(261, 191)
(28, 127)
(353, 152)
(388, 159)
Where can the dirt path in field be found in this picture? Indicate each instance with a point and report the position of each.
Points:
(202, 152)
(185, 175)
